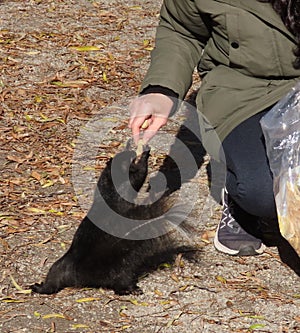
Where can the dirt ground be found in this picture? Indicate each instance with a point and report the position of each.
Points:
(63, 64)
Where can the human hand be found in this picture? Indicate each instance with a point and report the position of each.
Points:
(148, 113)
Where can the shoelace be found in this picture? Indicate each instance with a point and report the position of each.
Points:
(228, 219)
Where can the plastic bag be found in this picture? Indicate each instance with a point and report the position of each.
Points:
(281, 128)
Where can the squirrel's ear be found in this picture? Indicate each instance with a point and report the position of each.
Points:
(129, 144)
(109, 161)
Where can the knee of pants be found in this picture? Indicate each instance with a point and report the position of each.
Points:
(255, 199)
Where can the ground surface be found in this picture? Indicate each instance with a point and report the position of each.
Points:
(64, 63)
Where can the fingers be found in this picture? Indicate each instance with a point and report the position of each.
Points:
(137, 124)
(146, 128)
(140, 111)
(153, 128)
(148, 113)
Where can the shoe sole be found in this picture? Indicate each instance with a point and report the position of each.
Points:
(243, 251)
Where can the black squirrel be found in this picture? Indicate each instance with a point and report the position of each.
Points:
(97, 258)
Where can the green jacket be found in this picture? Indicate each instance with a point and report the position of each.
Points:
(243, 52)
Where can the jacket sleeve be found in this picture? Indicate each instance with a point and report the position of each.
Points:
(180, 38)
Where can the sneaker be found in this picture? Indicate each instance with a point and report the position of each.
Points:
(231, 238)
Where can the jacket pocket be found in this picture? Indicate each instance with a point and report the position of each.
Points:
(224, 93)
(252, 47)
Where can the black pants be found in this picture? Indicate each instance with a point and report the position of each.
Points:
(249, 179)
